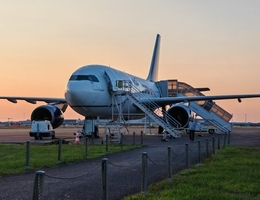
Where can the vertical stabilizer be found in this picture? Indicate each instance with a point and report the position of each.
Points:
(153, 73)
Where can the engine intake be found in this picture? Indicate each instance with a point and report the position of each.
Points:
(48, 112)
(180, 113)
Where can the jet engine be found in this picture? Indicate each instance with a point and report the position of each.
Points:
(180, 113)
(48, 112)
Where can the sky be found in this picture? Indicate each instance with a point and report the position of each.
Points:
(204, 43)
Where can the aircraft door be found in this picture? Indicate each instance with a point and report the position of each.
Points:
(111, 79)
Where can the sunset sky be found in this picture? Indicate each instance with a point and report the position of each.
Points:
(204, 43)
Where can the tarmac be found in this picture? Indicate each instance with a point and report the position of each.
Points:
(84, 180)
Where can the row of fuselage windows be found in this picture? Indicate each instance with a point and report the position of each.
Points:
(84, 78)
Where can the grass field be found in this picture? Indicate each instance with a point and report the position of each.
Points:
(233, 173)
(13, 157)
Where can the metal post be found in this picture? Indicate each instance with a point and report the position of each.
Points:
(106, 144)
(199, 154)
(134, 139)
(169, 164)
(213, 145)
(38, 185)
(144, 173)
(187, 156)
(121, 141)
(225, 137)
(142, 135)
(218, 142)
(207, 147)
(228, 137)
(86, 143)
(59, 150)
(104, 179)
(27, 155)
(92, 137)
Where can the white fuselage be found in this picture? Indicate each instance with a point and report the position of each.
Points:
(88, 91)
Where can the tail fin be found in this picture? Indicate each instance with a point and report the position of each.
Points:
(153, 73)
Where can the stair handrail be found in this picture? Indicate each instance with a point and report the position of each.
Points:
(220, 126)
(185, 88)
(132, 90)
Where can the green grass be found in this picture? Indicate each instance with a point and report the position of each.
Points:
(13, 157)
(233, 173)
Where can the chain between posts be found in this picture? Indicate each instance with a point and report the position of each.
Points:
(178, 154)
(116, 165)
(84, 174)
(155, 162)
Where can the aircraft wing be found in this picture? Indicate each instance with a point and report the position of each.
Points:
(173, 100)
(33, 100)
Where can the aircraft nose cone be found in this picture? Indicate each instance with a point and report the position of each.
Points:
(73, 94)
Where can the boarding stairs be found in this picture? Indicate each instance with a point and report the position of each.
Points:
(208, 110)
(215, 118)
(126, 88)
(154, 111)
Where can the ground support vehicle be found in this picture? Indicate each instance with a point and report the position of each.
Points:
(40, 129)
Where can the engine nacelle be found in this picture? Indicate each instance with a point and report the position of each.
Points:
(48, 112)
(180, 113)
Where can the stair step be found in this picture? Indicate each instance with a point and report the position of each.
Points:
(155, 117)
(214, 119)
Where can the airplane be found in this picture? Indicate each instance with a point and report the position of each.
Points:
(91, 92)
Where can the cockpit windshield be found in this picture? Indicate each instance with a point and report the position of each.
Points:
(84, 78)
